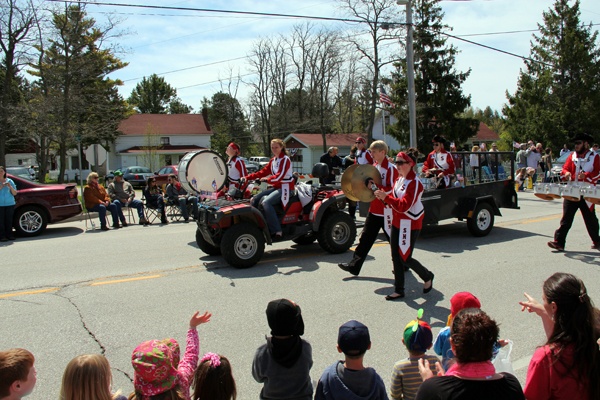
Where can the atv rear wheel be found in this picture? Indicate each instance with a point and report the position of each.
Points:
(337, 232)
(205, 246)
(242, 245)
(306, 239)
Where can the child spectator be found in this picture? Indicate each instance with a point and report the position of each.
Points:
(157, 367)
(349, 379)
(17, 374)
(442, 343)
(88, 377)
(213, 379)
(406, 378)
(283, 364)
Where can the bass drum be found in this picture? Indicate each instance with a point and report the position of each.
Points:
(202, 172)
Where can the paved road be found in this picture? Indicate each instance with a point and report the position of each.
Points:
(71, 292)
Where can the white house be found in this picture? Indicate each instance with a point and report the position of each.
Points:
(378, 131)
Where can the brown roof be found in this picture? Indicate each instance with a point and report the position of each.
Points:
(165, 124)
(164, 149)
(316, 139)
(484, 133)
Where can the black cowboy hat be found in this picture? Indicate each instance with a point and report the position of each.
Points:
(584, 137)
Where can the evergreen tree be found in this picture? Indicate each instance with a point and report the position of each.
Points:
(227, 121)
(558, 93)
(72, 72)
(152, 95)
(439, 97)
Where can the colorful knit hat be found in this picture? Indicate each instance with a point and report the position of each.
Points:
(155, 364)
(418, 336)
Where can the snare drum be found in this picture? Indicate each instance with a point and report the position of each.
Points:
(547, 191)
(428, 183)
(202, 172)
(591, 193)
(571, 191)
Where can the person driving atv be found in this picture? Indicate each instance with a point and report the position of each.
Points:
(278, 173)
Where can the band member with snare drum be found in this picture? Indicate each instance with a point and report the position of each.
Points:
(582, 165)
(408, 213)
(278, 173)
(439, 163)
(375, 219)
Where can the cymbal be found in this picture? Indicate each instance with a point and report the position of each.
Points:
(544, 196)
(359, 178)
(346, 182)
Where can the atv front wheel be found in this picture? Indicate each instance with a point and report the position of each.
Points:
(205, 246)
(242, 245)
(337, 232)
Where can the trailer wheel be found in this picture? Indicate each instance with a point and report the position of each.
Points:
(482, 221)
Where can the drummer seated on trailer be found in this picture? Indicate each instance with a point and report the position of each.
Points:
(178, 196)
(439, 164)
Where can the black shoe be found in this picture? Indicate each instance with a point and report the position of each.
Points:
(554, 245)
(430, 287)
(11, 237)
(276, 238)
(104, 228)
(353, 266)
(391, 297)
(116, 226)
(164, 221)
(4, 240)
(144, 221)
(124, 224)
(187, 220)
(596, 246)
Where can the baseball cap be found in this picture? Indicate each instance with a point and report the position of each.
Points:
(118, 173)
(354, 338)
(463, 300)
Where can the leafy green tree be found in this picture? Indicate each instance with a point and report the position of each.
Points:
(439, 97)
(558, 93)
(153, 95)
(176, 106)
(227, 121)
(72, 72)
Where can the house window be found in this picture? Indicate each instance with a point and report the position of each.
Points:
(164, 140)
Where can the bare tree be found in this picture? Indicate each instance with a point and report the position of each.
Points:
(381, 18)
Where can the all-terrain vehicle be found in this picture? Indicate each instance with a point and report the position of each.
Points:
(233, 228)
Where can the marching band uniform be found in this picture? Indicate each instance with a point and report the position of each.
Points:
(279, 172)
(408, 213)
(440, 160)
(588, 162)
(363, 156)
(237, 169)
(375, 219)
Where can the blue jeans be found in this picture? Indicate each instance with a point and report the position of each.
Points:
(135, 203)
(184, 201)
(269, 199)
(101, 210)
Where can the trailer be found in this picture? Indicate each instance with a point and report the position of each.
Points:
(478, 198)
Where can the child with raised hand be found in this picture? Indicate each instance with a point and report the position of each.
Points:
(406, 379)
(283, 364)
(213, 379)
(350, 379)
(88, 377)
(458, 302)
(158, 372)
(17, 374)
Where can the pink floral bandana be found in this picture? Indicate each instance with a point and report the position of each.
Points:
(155, 364)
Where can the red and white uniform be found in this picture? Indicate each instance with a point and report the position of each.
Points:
(442, 160)
(589, 164)
(364, 157)
(408, 210)
(237, 169)
(389, 175)
(279, 171)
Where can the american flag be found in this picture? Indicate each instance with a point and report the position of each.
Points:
(384, 98)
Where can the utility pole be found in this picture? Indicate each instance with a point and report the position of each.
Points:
(410, 73)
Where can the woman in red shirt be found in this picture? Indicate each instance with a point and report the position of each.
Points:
(568, 365)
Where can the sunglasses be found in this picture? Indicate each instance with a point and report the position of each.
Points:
(436, 144)
(402, 162)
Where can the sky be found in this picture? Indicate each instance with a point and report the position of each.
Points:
(194, 51)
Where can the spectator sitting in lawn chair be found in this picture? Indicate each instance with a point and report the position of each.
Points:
(177, 195)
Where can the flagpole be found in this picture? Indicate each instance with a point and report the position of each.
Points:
(383, 122)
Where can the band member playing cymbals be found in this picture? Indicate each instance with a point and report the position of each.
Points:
(439, 163)
(408, 213)
(582, 165)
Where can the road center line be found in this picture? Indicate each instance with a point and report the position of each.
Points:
(30, 292)
(139, 278)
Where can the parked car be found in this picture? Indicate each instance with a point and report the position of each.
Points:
(261, 161)
(250, 166)
(557, 165)
(37, 205)
(162, 174)
(135, 175)
(22, 172)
